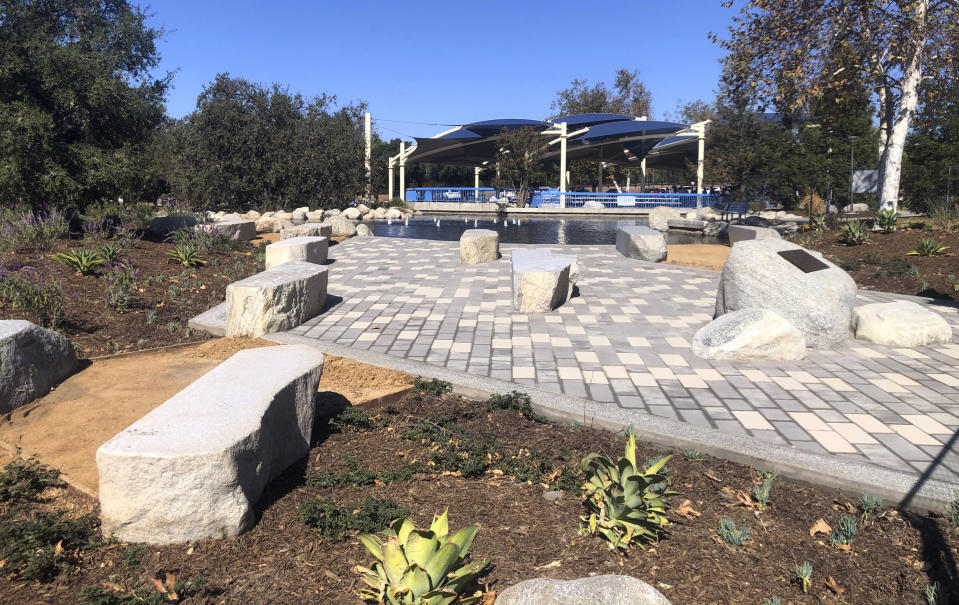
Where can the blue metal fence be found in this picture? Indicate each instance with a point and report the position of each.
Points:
(552, 198)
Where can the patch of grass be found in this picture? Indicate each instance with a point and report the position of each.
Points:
(133, 556)
(514, 401)
(898, 267)
(25, 479)
(40, 545)
(358, 418)
(432, 386)
(331, 521)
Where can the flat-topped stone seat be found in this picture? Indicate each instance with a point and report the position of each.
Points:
(541, 279)
(235, 229)
(277, 299)
(308, 230)
(306, 249)
(642, 243)
(739, 233)
(900, 324)
(479, 246)
(194, 467)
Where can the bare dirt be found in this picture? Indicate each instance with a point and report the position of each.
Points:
(65, 428)
(700, 256)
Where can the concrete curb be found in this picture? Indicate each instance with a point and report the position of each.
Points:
(852, 478)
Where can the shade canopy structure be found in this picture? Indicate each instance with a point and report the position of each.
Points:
(605, 138)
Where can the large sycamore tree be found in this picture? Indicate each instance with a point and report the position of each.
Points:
(78, 101)
(791, 53)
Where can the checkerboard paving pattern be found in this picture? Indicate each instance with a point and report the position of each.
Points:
(625, 339)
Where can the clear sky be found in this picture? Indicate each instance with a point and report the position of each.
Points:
(449, 62)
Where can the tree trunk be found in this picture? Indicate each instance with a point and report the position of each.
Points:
(891, 167)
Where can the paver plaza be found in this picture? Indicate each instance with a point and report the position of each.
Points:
(625, 340)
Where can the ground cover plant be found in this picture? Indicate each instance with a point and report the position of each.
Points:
(525, 497)
(107, 286)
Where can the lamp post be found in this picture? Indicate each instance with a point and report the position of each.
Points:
(852, 166)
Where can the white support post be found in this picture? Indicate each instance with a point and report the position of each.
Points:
(701, 152)
(562, 164)
(368, 132)
(476, 193)
(403, 170)
(642, 169)
(390, 187)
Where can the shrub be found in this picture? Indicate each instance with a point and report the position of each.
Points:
(886, 220)
(432, 386)
(120, 280)
(24, 479)
(28, 291)
(818, 222)
(421, 567)
(39, 545)
(187, 255)
(897, 267)
(332, 521)
(621, 503)
(943, 215)
(927, 247)
(39, 230)
(516, 402)
(730, 535)
(358, 418)
(953, 511)
(79, 260)
(854, 233)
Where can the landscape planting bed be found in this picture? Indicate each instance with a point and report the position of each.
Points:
(894, 556)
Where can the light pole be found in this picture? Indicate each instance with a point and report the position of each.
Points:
(852, 167)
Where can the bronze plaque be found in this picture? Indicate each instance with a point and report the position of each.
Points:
(804, 261)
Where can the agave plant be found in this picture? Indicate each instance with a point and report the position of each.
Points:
(421, 567)
(818, 222)
(187, 255)
(80, 260)
(886, 220)
(927, 247)
(625, 504)
(854, 233)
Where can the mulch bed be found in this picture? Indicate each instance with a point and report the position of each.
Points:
(893, 558)
(882, 262)
(176, 293)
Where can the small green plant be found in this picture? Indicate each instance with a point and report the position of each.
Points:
(692, 455)
(952, 512)
(358, 418)
(854, 233)
(516, 402)
(151, 317)
(432, 386)
(886, 220)
(79, 260)
(416, 567)
(24, 479)
(898, 267)
(844, 532)
(36, 298)
(171, 328)
(621, 503)
(761, 493)
(768, 474)
(187, 255)
(730, 534)
(133, 557)
(868, 505)
(120, 282)
(774, 600)
(40, 545)
(332, 521)
(932, 593)
(927, 247)
(804, 575)
(110, 253)
(818, 222)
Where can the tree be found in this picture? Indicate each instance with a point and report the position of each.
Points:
(629, 96)
(518, 159)
(251, 146)
(78, 105)
(790, 53)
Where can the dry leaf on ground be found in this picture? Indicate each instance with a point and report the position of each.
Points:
(819, 527)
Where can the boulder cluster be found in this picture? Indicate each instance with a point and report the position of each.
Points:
(342, 221)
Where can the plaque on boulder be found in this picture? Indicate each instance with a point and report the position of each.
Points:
(802, 260)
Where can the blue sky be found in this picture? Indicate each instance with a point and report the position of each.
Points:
(449, 62)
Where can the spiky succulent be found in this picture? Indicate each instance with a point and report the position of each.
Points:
(421, 567)
(625, 504)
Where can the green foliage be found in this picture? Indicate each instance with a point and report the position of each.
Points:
(24, 479)
(868, 505)
(187, 255)
(774, 600)
(110, 253)
(818, 222)
(527, 466)
(516, 402)
(927, 247)
(171, 328)
(804, 575)
(952, 512)
(730, 535)
(415, 567)
(691, 454)
(358, 476)
(151, 317)
(22, 227)
(133, 556)
(332, 521)
(854, 233)
(120, 282)
(943, 216)
(358, 418)
(29, 293)
(897, 267)
(80, 260)
(886, 220)
(621, 503)
(932, 593)
(844, 532)
(518, 158)
(77, 101)
(40, 545)
(95, 595)
(761, 493)
(432, 386)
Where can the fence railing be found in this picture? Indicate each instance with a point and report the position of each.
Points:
(552, 198)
